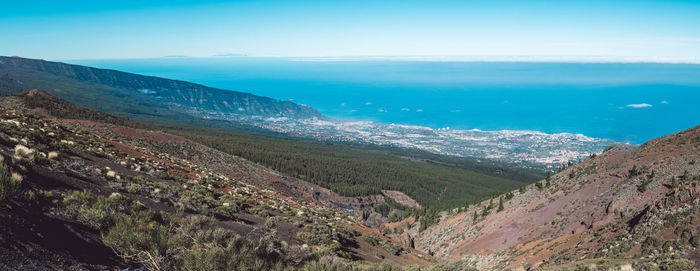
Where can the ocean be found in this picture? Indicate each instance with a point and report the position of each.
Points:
(625, 102)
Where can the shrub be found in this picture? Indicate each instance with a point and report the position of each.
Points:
(395, 217)
(77, 197)
(22, 152)
(634, 171)
(371, 239)
(643, 186)
(97, 211)
(9, 184)
(522, 189)
(652, 242)
(37, 197)
(392, 248)
(695, 241)
(138, 239)
(509, 196)
(227, 211)
(485, 211)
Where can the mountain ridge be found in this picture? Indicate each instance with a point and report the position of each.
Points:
(174, 95)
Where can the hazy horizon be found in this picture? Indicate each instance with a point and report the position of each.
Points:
(625, 102)
(437, 58)
(78, 29)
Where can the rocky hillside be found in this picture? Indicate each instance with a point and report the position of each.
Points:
(627, 207)
(137, 95)
(77, 194)
(83, 189)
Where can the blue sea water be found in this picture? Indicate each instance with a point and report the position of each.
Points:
(625, 102)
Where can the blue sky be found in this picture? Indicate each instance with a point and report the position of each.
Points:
(60, 30)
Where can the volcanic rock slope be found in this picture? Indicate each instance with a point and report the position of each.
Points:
(127, 172)
(627, 207)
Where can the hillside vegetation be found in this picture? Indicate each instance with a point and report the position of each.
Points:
(434, 181)
(84, 195)
(632, 207)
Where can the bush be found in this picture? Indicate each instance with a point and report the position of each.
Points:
(539, 185)
(9, 184)
(652, 242)
(77, 197)
(371, 239)
(643, 186)
(522, 189)
(393, 248)
(326, 264)
(486, 211)
(509, 196)
(634, 171)
(97, 211)
(37, 197)
(138, 239)
(695, 241)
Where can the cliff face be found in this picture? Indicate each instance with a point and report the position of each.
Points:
(606, 207)
(106, 87)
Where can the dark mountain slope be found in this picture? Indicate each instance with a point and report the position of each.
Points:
(85, 195)
(137, 95)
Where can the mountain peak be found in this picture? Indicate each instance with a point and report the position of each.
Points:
(40, 92)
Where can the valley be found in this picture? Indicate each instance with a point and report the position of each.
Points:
(171, 101)
(349, 135)
(175, 189)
